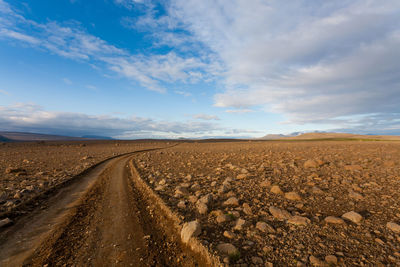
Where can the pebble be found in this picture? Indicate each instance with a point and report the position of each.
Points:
(202, 208)
(292, 196)
(257, 260)
(232, 201)
(315, 261)
(181, 190)
(223, 218)
(276, 190)
(299, 220)
(353, 217)
(229, 235)
(181, 204)
(311, 164)
(355, 195)
(247, 209)
(227, 249)
(331, 259)
(264, 227)
(393, 226)
(240, 223)
(279, 214)
(334, 220)
(241, 176)
(190, 229)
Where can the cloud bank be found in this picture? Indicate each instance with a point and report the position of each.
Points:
(33, 118)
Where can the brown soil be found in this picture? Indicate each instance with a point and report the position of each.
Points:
(109, 225)
(103, 218)
(363, 177)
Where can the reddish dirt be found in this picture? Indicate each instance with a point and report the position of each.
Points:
(322, 178)
(100, 220)
(269, 203)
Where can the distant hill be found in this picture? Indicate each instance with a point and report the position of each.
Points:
(99, 137)
(331, 136)
(21, 137)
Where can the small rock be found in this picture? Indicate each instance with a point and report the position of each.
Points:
(316, 190)
(190, 229)
(311, 164)
(331, 259)
(257, 260)
(353, 217)
(5, 222)
(393, 226)
(276, 190)
(181, 190)
(241, 176)
(292, 196)
(279, 214)
(315, 261)
(229, 235)
(265, 183)
(206, 199)
(232, 201)
(299, 220)
(195, 187)
(355, 195)
(240, 223)
(223, 218)
(181, 204)
(353, 168)
(227, 249)
(247, 209)
(202, 208)
(334, 220)
(264, 227)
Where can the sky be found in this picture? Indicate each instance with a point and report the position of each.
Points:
(187, 68)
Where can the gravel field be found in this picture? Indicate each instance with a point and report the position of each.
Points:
(28, 169)
(285, 203)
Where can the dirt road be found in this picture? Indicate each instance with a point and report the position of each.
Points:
(99, 221)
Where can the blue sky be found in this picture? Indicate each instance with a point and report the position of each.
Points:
(186, 68)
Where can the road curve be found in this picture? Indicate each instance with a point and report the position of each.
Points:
(100, 221)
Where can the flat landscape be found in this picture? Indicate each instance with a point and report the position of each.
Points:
(200, 203)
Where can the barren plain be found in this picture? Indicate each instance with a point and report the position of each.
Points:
(286, 203)
(248, 203)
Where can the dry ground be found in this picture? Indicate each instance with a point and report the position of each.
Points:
(29, 169)
(271, 200)
(258, 203)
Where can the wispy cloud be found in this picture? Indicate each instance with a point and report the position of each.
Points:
(4, 92)
(206, 117)
(67, 81)
(71, 41)
(243, 110)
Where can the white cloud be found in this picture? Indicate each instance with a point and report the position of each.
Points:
(243, 110)
(91, 87)
(67, 81)
(33, 118)
(206, 117)
(4, 92)
(312, 61)
(71, 41)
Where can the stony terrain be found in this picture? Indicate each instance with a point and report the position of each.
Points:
(285, 203)
(28, 169)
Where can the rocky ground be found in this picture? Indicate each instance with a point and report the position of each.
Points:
(285, 203)
(29, 169)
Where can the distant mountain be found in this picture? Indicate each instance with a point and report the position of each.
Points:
(98, 137)
(21, 137)
(273, 136)
(326, 135)
(4, 139)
